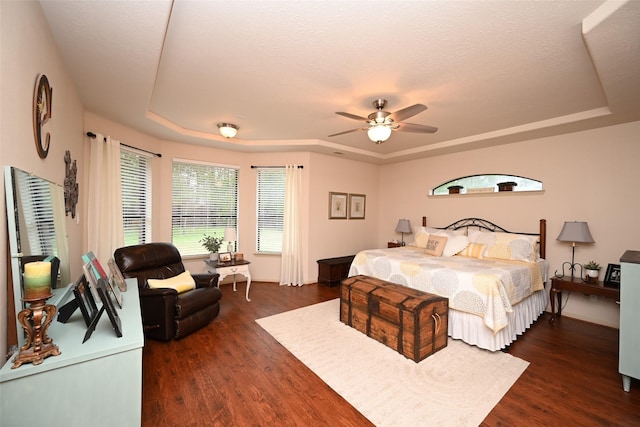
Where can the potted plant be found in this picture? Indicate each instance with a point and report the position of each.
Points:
(212, 244)
(592, 271)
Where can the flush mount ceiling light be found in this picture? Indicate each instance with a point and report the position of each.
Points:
(227, 130)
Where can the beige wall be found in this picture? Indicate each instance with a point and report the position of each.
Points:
(587, 176)
(27, 51)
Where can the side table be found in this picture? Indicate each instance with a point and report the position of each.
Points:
(559, 284)
(394, 245)
(225, 269)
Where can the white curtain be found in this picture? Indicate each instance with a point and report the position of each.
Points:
(105, 232)
(291, 267)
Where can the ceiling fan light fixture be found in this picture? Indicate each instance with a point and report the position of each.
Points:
(379, 133)
(228, 130)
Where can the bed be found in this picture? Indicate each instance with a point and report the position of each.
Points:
(494, 279)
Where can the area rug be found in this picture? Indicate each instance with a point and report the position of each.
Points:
(457, 386)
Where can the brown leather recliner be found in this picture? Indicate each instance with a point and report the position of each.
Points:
(166, 314)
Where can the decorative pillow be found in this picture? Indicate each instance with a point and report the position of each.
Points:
(182, 282)
(454, 244)
(435, 245)
(421, 235)
(474, 250)
(517, 247)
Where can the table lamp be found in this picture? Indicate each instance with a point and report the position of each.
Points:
(230, 236)
(404, 226)
(574, 232)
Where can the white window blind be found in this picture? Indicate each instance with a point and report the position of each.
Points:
(205, 202)
(37, 207)
(271, 183)
(135, 178)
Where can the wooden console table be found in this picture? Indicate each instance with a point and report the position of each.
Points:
(97, 383)
(559, 284)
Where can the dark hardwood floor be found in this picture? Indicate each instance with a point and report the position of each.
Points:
(232, 373)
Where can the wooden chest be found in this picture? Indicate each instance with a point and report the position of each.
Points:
(332, 270)
(410, 321)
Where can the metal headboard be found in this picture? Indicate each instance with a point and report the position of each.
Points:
(490, 226)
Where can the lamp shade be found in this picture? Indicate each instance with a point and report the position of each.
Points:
(227, 130)
(229, 234)
(379, 133)
(404, 226)
(575, 232)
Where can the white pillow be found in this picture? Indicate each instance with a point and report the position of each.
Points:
(182, 282)
(421, 235)
(454, 244)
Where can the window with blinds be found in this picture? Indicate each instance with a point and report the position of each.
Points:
(271, 187)
(135, 178)
(205, 202)
(37, 207)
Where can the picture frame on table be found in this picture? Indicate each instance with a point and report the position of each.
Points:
(115, 291)
(224, 257)
(85, 300)
(92, 280)
(107, 305)
(337, 205)
(82, 299)
(117, 275)
(357, 206)
(612, 276)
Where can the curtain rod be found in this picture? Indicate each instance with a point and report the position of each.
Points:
(273, 167)
(93, 135)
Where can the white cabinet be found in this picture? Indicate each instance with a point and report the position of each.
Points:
(629, 359)
(98, 383)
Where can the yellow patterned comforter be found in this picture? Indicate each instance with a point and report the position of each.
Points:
(485, 287)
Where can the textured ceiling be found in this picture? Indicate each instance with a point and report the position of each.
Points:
(490, 72)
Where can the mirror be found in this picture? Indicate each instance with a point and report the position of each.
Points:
(36, 227)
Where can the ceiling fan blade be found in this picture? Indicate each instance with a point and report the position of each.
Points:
(405, 113)
(348, 131)
(412, 127)
(352, 116)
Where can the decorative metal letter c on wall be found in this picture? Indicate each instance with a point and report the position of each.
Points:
(41, 114)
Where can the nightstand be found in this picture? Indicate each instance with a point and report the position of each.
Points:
(231, 268)
(394, 244)
(559, 284)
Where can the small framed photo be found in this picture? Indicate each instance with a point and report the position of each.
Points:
(85, 300)
(225, 256)
(107, 305)
(357, 204)
(117, 275)
(612, 277)
(337, 205)
(115, 291)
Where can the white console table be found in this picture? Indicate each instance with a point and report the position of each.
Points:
(98, 383)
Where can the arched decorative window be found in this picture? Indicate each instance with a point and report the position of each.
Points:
(487, 183)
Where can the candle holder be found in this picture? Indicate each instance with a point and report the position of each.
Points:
(38, 345)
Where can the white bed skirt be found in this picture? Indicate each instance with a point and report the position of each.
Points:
(472, 330)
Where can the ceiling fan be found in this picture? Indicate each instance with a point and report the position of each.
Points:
(380, 123)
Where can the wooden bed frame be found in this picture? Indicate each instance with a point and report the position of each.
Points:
(487, 225)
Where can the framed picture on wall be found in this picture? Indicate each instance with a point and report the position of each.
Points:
(357, 206)
(337, 205)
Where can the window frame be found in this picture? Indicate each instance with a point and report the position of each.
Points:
(145, 230)
(271, 221)
(208, 222)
